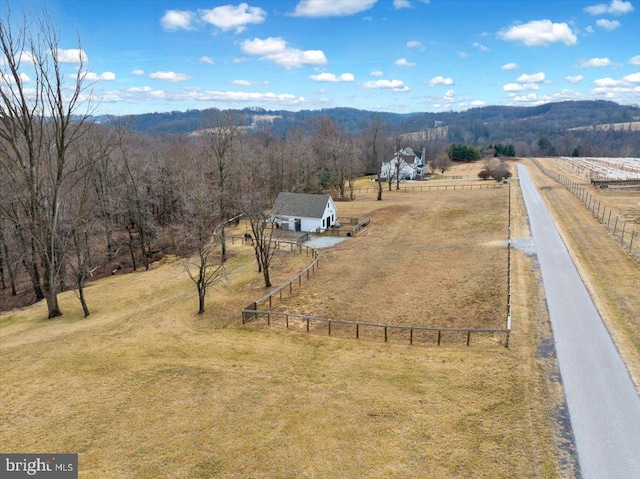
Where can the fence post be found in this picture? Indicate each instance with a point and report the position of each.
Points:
(411, 336)
(329, 327)
(633, 232)
(385, 334)
(307, 325)
(468, 337)
(357, 330)
(439, 336)
(622, 237)
(286, 320)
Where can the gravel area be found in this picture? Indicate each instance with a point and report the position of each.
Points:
(325, 241)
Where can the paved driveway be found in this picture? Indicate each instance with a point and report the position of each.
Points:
(603, 403)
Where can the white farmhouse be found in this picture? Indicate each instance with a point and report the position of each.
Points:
(411, 165)
(304, 212)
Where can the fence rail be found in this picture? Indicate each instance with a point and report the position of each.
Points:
(489, 185)
(357, 329)
(621, 229)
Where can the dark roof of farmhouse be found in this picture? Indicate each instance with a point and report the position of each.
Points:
(300, 204)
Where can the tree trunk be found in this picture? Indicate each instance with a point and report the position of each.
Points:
(131, 251)
(267, 280)
(53, 308)
(32, 269)
(83, 302)
(223, 244)
(10, 270)
(201, 295)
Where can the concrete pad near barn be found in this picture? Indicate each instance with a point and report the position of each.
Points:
(325, 241)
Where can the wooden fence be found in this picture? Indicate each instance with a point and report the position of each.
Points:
(622, 230)
(373, 331)
(488, 185)
(252, 311)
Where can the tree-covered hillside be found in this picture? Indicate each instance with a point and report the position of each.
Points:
(521, 126)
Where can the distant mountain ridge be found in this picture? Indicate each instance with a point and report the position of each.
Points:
(481, 125)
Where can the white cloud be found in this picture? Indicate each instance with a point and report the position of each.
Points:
(635, 60)
(398, 4)
(332, 78)
(8, 79)
(449, 94)
(574, 79)
(595, 63)
(292, 57)
(531, 97)
(462, 55)
(589, 29)
(277, 51)
(140, 94)
(633, 78)
(394, 85)
(229, 17)
(539, 33)
(481, 47)
(510, 66)
(177, 20)
(268, 46)
(137, 72)
(615, 7)
(440, 80)
(206, 59)
(169, 76)
(331, 8)
(520, 86)
(106, 76)
(140, 89)
(71, 55)
(376, 73)
(414, 44)
(609, 25)
(478, 103)
(241, 82)
(608, 82)
(535, 78)
(403, 62)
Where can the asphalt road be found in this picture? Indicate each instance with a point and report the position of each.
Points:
(603, 403)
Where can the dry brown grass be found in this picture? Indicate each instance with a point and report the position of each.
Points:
(609, 272)
(146, 388)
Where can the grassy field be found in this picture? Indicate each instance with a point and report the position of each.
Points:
(146, 388)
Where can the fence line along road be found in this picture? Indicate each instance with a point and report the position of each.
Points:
(619, 228)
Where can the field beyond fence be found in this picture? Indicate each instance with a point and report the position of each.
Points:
(262, 312)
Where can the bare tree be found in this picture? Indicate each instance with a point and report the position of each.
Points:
(40, 119)
(442, 162)
(223, 131)
(201, 234)
(374, 146)
(255, 209)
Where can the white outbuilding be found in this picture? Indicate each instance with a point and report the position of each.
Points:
(304, 212)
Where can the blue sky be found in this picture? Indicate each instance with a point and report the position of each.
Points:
(386, 55)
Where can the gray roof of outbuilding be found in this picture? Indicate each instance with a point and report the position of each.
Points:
(300, 204)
